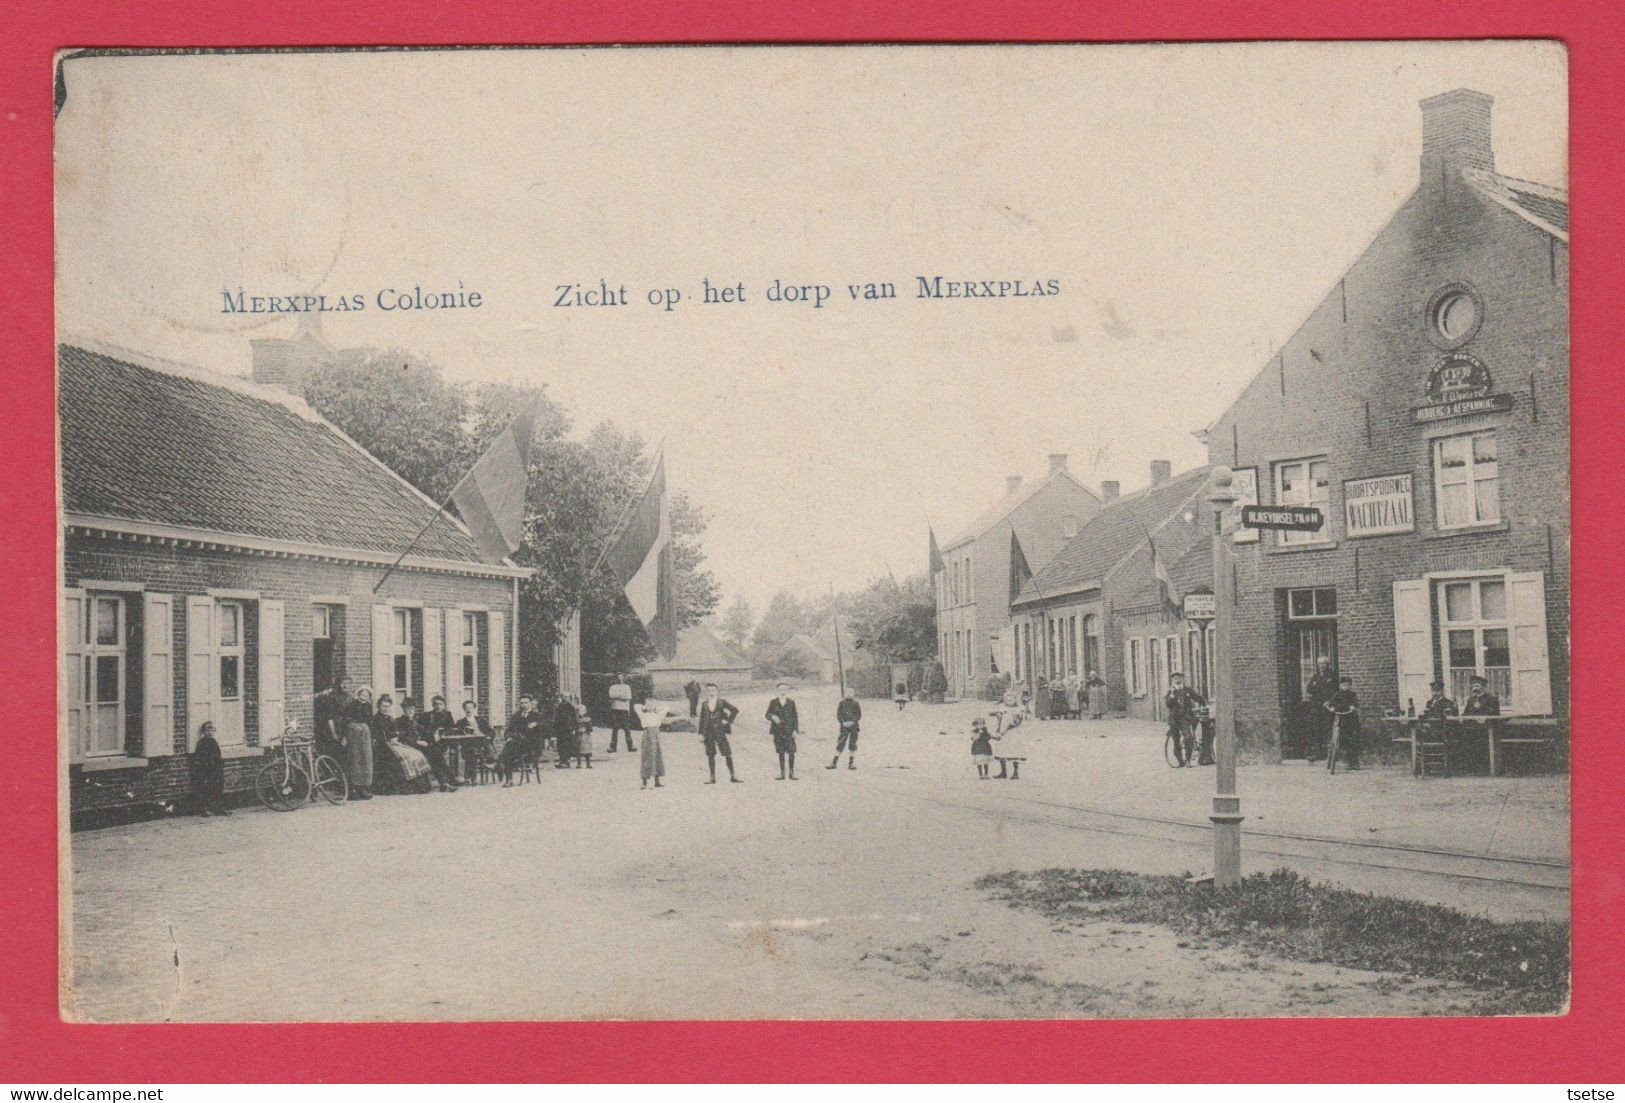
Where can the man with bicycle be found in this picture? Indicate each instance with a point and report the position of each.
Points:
(1182, 703)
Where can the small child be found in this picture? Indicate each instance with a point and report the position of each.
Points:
(981, 747)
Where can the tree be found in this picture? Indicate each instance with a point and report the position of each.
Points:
(785, 616)
(897, 623)
(736, 624)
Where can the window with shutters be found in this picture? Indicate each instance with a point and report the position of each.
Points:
(405, 654)
(468, 658)
(231, 685)
(1136, 667)
(1466, 480)
(327, 644)
(104, 681)
(1304, 483)
(1476, 635)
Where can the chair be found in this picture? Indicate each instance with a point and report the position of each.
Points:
(1432, 748)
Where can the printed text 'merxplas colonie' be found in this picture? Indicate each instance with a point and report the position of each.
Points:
(602, 293)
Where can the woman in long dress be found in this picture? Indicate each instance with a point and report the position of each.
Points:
(357, 716)
(651, 714)
(407, 766)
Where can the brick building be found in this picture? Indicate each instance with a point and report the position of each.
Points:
(220, 546)
(1423, 407)
(1098, 604)
(973, 588)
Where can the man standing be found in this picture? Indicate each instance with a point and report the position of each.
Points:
(693, 692)
(716, 722)
(783, 722)
(565, 736)
(1321, 689)
(1182, 703)
(1480, 701)
(330, 704)
(847, 714)
(620, 713)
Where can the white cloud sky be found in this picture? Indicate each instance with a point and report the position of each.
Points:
(1194, 203)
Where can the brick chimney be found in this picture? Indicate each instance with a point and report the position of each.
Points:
(1012, 483)
(1057, 462)
(1161, 471)
(1456, 132)
(1110, 489)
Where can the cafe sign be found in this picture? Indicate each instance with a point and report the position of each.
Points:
(1378, 506)
(1459, 385)
(1199, 607)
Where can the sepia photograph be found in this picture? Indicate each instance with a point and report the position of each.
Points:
(932, 532)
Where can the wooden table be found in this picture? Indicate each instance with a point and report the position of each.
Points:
(1494, 730)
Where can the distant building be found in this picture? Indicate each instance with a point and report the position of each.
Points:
(973, 588)
(221, 543)
(1098, 605)
(1423, 407)
(702, 656)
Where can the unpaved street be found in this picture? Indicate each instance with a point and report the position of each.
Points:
(846, 894)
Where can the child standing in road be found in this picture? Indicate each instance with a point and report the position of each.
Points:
(981, 747)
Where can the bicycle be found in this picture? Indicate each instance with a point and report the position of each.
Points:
(1184, 731)
(1337, 738)
(297, 774)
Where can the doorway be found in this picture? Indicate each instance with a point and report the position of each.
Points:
(1311, 635)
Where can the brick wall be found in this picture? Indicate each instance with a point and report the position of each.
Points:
(167, 569)
(1344, 386)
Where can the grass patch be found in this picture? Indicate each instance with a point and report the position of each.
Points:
(1521, 968)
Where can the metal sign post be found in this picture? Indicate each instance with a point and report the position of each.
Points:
(1226, 815)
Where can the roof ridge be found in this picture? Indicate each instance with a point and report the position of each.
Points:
(1551, 191)
(1017, 500)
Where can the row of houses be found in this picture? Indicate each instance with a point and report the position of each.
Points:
(1422, 407)
(221, 552)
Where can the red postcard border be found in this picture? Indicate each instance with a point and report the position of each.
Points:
(36, 1046)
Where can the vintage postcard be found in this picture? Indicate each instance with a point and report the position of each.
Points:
(930, 532)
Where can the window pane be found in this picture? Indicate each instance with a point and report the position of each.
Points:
(106, 620)
(1492, 600)
(1487, 499)
(1458, 601)
(1290, 478)
(323, 627)
(107, 678)
(468, 629)
(1484, 448)
(468, 672)
(1453, 452)
(1463, 653)
(402, 634)
(1454, 505)
(230, 625)
(1496, 652)
(400, 673)
(230, 683)
(1326, 602)
(1303, 603)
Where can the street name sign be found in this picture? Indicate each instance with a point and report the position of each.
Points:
(1295, 518)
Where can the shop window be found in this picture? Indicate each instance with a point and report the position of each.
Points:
(1477, 635)
(1466, 480)
(1308, 604)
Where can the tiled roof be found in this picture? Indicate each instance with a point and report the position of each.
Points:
(1193, 572)
(699, 648)
(1111, 536)
(165, 444)
(1007, 505)
(1543, 206)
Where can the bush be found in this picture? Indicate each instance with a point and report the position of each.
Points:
(936, 682)
(870, 681)
(996, 686)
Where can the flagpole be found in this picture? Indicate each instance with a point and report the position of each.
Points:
(840, 660)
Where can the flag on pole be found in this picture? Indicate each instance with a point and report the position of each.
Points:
(1159, 571)
(491, 497)
(1020, 572)
(936, 553)
(641, 558)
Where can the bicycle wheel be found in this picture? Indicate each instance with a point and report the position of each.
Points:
(330, 781)
(282, 786)
(1170, 748)
(1331, 749)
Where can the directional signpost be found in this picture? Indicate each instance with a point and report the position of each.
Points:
(1293, 518)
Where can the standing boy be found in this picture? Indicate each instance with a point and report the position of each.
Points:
(717, 717)
(847, 715)
(783, 722)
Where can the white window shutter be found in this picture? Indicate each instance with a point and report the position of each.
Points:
(499, 667)
(158, 678)
(273, 671)
(200, 665)
(1531, 672)
(1413, 640)
(73, 669)
(383, 671)
(434, 679)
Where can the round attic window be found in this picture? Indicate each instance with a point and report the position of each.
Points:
(1454, 314)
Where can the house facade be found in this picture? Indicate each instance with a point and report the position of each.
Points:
(1100, 605)
(973, 588)
(221, 545)
(1423, 407)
